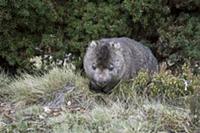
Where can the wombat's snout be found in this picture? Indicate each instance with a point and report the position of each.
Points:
(102, 83)
(99, 88)
(101, 79)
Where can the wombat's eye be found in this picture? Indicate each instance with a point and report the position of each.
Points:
(111, 67)
(93, 66)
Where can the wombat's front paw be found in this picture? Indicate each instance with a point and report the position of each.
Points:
(107, 90)
(97, 89)
(94, 88)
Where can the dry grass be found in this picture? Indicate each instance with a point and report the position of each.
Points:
(5, 91)
(122, 111)
(30, 89)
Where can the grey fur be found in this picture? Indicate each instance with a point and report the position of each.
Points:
(109, 60)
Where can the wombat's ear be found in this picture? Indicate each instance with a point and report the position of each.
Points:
(115, 45)
(93, 44)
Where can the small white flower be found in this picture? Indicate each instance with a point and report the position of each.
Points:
(69, 103)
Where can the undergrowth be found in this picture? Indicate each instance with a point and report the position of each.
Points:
(140, 105)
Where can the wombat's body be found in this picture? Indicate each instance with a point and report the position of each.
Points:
(107, 61)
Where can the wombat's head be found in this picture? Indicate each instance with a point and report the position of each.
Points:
(104, 65)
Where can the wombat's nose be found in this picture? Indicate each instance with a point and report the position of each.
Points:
(101, 82)
(101, 79)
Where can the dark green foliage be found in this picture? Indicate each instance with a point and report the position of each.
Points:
(24, 26)
(170, 28)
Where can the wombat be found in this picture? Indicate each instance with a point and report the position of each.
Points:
(110, 60)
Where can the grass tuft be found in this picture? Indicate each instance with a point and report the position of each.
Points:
(30, 89)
